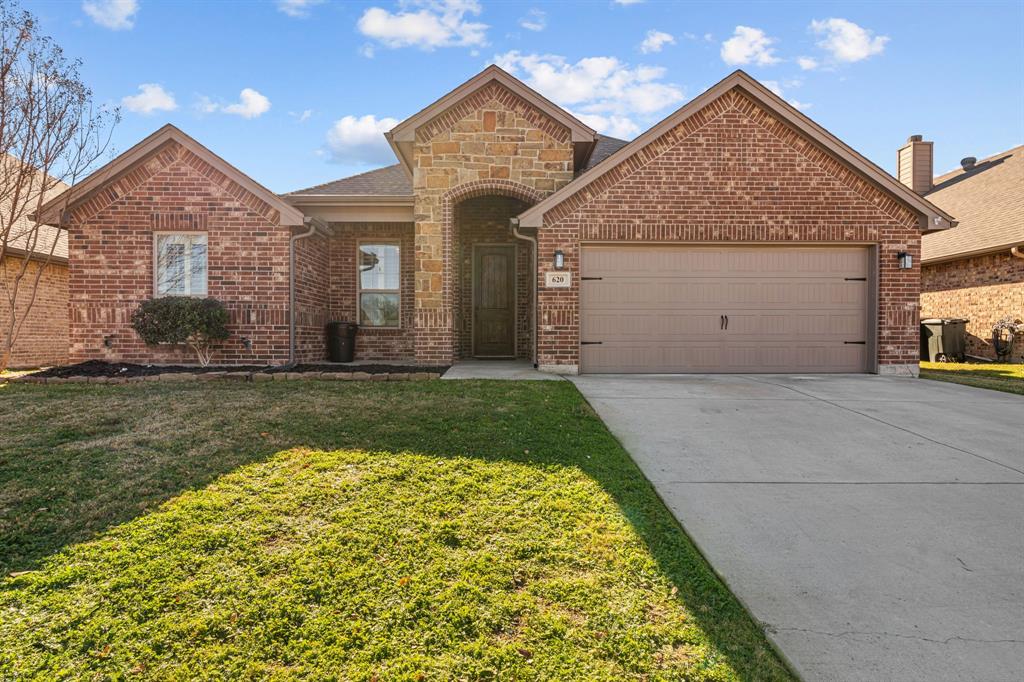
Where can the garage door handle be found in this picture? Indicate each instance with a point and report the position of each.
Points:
(721, 321)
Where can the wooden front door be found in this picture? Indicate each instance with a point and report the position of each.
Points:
(494, 301)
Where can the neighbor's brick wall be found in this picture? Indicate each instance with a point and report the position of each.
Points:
(373, 343)
(484, 220)
(111, 260)
(43, 338)
(733, 172)
(982, 289)
(490, 138)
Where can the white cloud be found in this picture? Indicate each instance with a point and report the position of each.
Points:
(776, 87)
(749, 46)
(807, 63)
(152, 97)
(438, 23)
(846, 41)
(535, 20)
(360, 140)
(608, 91)
(112, 14)
(628, 2)
(297, 8)
(656, 40)
(250, 104)
(616, 126)
(301, 116)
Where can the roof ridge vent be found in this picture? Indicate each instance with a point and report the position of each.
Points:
(967, 163)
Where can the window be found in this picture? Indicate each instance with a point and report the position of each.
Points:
(180, 264)
(379, 298)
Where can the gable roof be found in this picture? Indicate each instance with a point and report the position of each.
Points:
(932, 217)
(403, 135)
(988, 201)
(52, 211)
(388, 181)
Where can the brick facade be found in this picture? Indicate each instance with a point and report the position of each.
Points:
(43, 338)
(372, 343)
(493, 142)
(111, 260)
(733, 172)
(982, 289)
(730, 172)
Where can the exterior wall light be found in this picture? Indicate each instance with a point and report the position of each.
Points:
(108, 341)
(559, 260)
(906, 260)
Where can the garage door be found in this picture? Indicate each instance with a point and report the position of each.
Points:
(725, 309)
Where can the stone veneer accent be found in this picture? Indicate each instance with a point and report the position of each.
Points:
(982, 289)
(491, 142)
(733, 172)
(43, 338)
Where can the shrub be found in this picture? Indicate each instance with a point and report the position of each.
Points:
(197, 322)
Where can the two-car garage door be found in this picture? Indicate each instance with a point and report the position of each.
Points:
(725, 309)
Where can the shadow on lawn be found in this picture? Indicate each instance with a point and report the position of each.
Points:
(110, 453)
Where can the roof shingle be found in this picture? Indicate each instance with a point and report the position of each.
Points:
(387, 181)
(988, 202)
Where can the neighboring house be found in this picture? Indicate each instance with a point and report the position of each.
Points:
(36, 252)
(734, 236)
(977, 270)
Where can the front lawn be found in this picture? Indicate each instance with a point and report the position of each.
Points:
(1008, 378)
(345, 530)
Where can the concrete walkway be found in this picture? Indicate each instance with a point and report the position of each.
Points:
(514, 370)
(874, 525)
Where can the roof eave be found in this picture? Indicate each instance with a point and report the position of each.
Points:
(985, 251)
(349, 199)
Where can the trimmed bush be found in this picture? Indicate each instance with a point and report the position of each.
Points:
(197, 322)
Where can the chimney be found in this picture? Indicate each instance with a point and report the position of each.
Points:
(914, 164)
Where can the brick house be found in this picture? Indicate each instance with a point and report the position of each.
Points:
(735, 235)
(34, 279)
(977, 270)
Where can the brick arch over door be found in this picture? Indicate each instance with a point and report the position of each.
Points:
(449, 201)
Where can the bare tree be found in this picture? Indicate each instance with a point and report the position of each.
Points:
(51, 136)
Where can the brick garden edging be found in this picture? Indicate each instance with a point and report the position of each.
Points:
(230, 376)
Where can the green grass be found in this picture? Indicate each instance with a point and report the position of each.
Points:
(345, 530)
(1007, 378)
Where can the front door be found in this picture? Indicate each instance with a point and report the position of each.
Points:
(494, 301)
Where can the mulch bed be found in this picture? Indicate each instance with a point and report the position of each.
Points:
(98, 368)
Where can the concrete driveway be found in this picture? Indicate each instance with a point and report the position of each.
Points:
(874, 525)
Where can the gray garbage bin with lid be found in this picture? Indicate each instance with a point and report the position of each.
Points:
(944, 339)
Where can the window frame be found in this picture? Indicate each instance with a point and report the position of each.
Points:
(156, 261)
(360, 243)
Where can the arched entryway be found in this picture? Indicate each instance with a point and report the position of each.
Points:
(492, 277)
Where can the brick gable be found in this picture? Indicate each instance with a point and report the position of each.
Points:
(111, 260)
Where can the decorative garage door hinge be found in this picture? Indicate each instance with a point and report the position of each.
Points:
(855, 343)
(587, 279)
(856, 279)
(591, 343)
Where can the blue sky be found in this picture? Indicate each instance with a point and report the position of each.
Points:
(296, 92)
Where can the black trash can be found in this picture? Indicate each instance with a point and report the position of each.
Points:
(341, 341)
(944, 339)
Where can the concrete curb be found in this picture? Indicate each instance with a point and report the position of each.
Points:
(190, 377)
